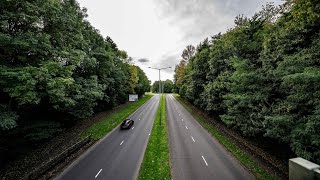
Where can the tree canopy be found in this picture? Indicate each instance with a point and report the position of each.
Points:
(55, 68)
(167, 86)
(262, 77)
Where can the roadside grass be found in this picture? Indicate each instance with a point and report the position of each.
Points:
(156, 162)
(100, 129)
(150, 93)
(242, 156)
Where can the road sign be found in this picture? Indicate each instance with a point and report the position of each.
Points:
(133, 97)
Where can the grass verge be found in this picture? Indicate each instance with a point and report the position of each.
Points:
(100, 129)
(156, 162)
(242, 156)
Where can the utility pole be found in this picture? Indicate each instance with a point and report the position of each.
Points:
(160, 87)
(159, 82)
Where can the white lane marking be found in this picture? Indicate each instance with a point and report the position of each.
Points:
(98, 173)
(139, 119)
(121, 142)
(133, 127)
(181, 119)
(149, 134)
(193, 139)
(186, 127)
(204, 160)
(179, 114)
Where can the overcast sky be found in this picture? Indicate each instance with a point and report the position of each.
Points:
(159, 30)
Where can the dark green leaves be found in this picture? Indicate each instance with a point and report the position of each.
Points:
(262, 76)
(53, 62)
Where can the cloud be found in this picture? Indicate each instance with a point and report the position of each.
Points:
(143, 60)
(161, 29)
(167, 60)
(199, 19)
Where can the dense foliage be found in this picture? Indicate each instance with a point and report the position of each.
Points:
(167, 86)
(56, 68)
(262, 77)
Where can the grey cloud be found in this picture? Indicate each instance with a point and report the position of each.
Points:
(168, 60)
(199, 19)
(143, 60)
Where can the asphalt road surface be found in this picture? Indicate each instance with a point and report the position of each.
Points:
(194, 153)
(117, 156)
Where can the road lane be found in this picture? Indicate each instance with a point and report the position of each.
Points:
(120, 153)
(201, 156)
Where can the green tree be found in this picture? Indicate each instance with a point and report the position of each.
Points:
(262, 76)
(197, 73)
(54, 62)
(143, 83)
(295, 114)
(167, 86)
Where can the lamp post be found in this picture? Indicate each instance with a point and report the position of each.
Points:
(159, 75)
(159, 86)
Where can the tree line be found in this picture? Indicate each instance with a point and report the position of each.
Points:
(262, 76)
(166, 86)
(56, 68)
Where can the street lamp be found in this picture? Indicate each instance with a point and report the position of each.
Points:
(159, 75)
(159, 86)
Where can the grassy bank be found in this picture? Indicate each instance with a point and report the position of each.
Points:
(156, 163)
(100, 129)
(242, 156)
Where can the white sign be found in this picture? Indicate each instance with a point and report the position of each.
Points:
(133, 97)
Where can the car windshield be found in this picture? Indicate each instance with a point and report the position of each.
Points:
(127, 121)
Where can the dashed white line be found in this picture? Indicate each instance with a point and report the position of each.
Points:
(139, 119)
(193, 139)
(98, 173)
(121, 143)
(179, 114)
(133, 127)
(181, 119)
(186, 127)
(204, 160)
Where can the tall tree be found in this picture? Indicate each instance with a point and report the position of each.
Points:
(166, 86)
(54, 62)
(180, 72)
(197, 76)
(261, 77)
(187, 53)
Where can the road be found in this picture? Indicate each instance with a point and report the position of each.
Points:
(117, 156)
(194, 153)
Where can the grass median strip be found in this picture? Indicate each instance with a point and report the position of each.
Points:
(156, 162)
(100, 129)
(242, 156)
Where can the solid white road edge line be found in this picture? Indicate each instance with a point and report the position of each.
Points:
(193, 139)
(204, 160)
(98, 173)
(121, 142)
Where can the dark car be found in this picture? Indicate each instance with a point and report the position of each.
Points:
(127, 124)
